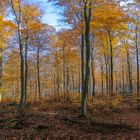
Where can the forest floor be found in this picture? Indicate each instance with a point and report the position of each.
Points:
(59, 120)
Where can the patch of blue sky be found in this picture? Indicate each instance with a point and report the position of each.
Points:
(51, 14)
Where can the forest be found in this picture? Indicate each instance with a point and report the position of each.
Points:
(79, 80)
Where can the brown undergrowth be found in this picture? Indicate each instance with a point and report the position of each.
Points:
(109, 118)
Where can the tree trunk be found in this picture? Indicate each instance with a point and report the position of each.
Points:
(137, 60)
(111, 63)
(1, 71)
(64, 74)
(87, 17)
(1, 67)
(58, 83)
(123, 82)
(26, 66)
(92, 72)
(116, 83)
(38, 73)
(107, 78)
(82, 62)
(102, 77)
(129, 72)
(67, 85)
(73, 83)
(22, 99)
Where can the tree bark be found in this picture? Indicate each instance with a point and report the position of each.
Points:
(111, 63)
(26, 66)
(129, 71)
(137, 60)
(87, 18)
(82, 62)
(102, 77)
(38, 73)
(64, 74)
(92, 72)
(18, 17)
(123, 82)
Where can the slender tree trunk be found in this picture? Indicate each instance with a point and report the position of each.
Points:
(1, 71)
(116, 83)
(54, 83)
(102, 77)
(1, 67)
(137, 60)
(36, 88)
(82, 62)
(111, 63)
(73, 83)
(92, 72)
(19, 26)
(79, 83)
(38, 73)
(107, 78)
(22, 79)
(58, 83)
(22, 99)
(129, 71)
(18, 17)
(93, 80)
(26, 67)
(67, 85)
(64, 74)
(30, 87)
(123, 82)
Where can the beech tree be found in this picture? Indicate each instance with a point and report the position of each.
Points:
(25, 20)
(41, 39)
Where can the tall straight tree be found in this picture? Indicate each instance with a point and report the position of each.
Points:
(40, 38)
(30, 20)
(16, 6)
(78, 14)
(87, 8)
(137, 51)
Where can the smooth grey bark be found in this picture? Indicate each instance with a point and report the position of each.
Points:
(107, 73)
(87, 18)
(111, 63)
